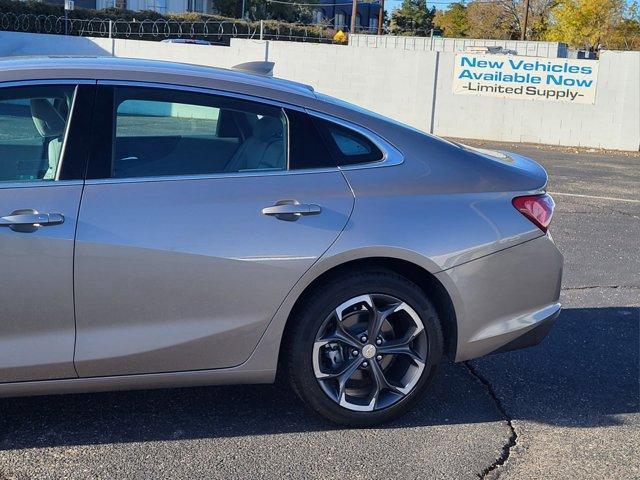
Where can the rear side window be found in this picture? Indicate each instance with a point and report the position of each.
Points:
(161, 132)
(347, 146)
(167, 118)
(33, 121)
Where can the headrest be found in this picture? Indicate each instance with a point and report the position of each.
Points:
(267, 128)
(47, 120)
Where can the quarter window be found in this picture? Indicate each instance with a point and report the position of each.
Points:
(347, 146)
(165, 132)
(33, 122)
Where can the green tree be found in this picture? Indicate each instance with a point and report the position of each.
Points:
(453, 21)
(490, 20)
(413, 18)
(593, 23)
(627, 35)
(503, 19)
(264, 10)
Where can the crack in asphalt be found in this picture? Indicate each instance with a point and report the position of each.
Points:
(490, 471)
(590, 287)
(513, 436)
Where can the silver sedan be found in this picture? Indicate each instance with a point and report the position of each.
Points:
(169, 225)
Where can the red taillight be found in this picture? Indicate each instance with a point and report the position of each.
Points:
(537, 208)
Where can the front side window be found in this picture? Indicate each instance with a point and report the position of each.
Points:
(33, 121)
(165, 132)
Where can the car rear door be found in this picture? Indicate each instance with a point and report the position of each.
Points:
(184, 253)
(41, 177)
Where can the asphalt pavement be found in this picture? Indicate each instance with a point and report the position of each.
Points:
(568, 408)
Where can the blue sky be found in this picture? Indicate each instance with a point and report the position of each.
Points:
(440, 4)
(393, 4)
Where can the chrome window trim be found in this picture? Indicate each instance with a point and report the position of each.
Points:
(391, 156)
(39, 183)
(213, 176)
(48, 81)
(55, 181)
(207, 90)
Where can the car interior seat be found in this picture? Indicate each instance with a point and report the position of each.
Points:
(50, 125)
(264, 149)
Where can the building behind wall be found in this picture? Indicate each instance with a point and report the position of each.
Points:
(160, 6)
(77, 3)
(331, 12)
(337, 13)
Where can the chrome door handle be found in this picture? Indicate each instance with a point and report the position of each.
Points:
(30, 220)
(291, 210)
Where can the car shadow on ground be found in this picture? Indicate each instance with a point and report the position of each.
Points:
(584, 374)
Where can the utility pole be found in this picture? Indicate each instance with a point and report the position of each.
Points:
(242, 12)
(354, 13)
(68, 6)
(525, 21)
(380, 17)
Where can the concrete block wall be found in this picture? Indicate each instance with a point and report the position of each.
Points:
(612, 122)
(18, 44)
(400, 87)
(400, 84)
(441, 44)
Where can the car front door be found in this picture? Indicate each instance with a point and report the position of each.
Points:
(193, 228)
(40, 188)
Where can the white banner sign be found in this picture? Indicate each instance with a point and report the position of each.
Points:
(507, 76)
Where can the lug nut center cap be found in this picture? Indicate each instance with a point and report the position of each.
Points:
(369, 351)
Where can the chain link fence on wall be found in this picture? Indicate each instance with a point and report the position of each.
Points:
(211, 30)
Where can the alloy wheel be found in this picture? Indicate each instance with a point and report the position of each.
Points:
(370, 352)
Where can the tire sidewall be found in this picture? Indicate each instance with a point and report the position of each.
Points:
(322, 305)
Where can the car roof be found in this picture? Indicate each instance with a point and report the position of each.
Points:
(106, 68)
(77, 68)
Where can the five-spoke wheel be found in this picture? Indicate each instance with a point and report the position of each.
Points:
(370, 352)
(364, 347)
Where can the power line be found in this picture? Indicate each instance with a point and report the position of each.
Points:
(302, 4)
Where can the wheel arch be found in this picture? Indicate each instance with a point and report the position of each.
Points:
(427, 281)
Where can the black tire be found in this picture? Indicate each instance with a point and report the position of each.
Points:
(309, 319)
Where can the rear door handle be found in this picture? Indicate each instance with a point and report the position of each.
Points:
(291, 210)
(29, 220)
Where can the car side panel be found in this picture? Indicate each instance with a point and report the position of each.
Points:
(502, 296)
(413, 213)
(185, 274)
(36, 285)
